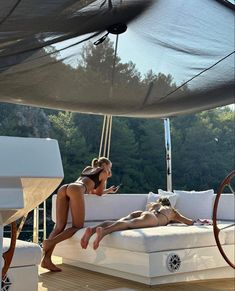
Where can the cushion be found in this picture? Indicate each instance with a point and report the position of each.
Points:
(195, 204)
(226, 207)
(153, 239)
(26, 253)
(107, 207)
(153, 197)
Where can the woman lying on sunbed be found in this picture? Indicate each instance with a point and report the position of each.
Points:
(158, 213)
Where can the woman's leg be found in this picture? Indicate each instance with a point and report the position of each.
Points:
(91, 230)
(146, 219)
(132, 215)
(62, 207)
(75, 194)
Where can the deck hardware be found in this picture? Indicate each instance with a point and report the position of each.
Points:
(173, 262)
(116, 29)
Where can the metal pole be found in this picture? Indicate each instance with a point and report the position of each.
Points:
(168, 153)
(44, 220)
(35, 224)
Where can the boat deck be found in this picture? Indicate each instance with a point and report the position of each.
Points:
(77, 279)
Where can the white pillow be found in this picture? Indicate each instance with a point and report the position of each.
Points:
(170, 195)
(153, 197)
(226, 207)
(195, 204)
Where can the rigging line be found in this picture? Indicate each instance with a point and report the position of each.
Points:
(10, 12)
(207, 69)
(51, 53)
(110, 4)
(114, 59)
(227, 3)
(113, 69)
(54, 41)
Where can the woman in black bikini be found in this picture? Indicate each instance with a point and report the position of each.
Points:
(159, 213)
(92, 181)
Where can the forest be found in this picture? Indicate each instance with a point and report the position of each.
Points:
(202, 145)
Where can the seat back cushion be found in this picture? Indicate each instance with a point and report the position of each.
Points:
(195, 204)
(107, 207)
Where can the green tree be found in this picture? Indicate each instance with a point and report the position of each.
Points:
(152, 154)
(124, 155)
(203, 149)
(72, 144)
(24, 121)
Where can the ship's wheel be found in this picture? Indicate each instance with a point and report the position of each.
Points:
(7, 256)
(227, 183)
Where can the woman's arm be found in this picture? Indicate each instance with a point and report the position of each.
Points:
(100, 190)
(153, 206)
(180, 218)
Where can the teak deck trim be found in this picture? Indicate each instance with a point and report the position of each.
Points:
(77, 279)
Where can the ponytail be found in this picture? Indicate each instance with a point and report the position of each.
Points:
(99, 162)
(95, 163)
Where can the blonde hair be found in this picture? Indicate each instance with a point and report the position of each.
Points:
(99, 162)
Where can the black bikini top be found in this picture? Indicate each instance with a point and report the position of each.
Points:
(93, 174)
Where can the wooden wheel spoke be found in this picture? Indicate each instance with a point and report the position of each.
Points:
(231, 189)
(8, 255)
(217, 229)
(226, 182)
(228, 226)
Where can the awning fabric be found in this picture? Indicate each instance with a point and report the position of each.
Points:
(176, 56)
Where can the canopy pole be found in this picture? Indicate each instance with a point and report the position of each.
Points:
(168, 153)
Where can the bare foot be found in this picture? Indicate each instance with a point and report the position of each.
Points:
(99, 236)
(46, 245)
(86, 237)
(47, 264)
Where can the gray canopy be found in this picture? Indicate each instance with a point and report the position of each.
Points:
(176, 56)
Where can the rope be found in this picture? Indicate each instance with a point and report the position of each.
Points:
(10, 12)
(197, 75)
(110, 132)
(105, 141)
(102, 135)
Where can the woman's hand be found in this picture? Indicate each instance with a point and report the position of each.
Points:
(112, 190)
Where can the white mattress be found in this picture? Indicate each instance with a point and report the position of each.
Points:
(26, 253)
(177, 236)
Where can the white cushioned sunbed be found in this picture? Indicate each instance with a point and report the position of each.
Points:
(153, 255)
(23, 272)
